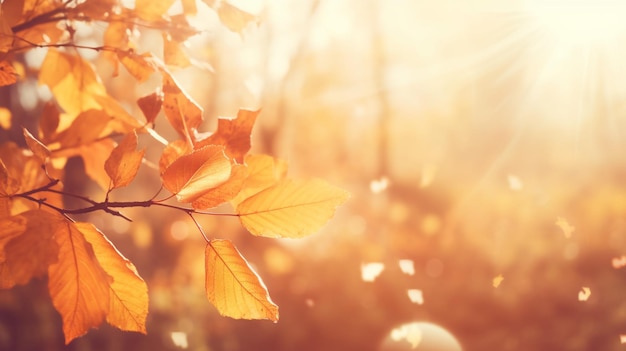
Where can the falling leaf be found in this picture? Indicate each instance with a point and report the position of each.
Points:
(379, 185)
(584, 294)
(416, 296)
(223, 192)
(193, 175)
(233, 287)
(619, 262)
(78, 285)
(515, 183)
(38, 149)
(180, 339)
(290, 208)
(234, 134)
(567, 228)
(497, 280)
(128, 293)
(150, 105)
(123, 163)
(407, 266)
(370, 271)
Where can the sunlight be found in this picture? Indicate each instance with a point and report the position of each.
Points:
(580, 23)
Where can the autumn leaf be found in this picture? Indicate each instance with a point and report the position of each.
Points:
(191, 176)
(128, 293)
(223, 192)
(233, 17)
(27, 246)
(263, 172)
(290, 208)
(38, 149)
(49, 122)
(234, 134)
(233, 287)
(123, 163)
(181, 111)
(173, 55)
(139, 66)
(151, 10)
(8, 75)
(78, 285)
(172, 152)
(150, 105)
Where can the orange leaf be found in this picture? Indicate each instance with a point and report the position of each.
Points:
(234, 134)
(233, 287)
(182, 112)
(173, 55)
(139, 66)
(150, 105)
(8, 75)
(128, 293)
(290, 208)
(27, 246)
(193, 175)
(38, 149)
(263, 172)
(172, 152)
(78, 285)
(151, 10)
(123, 163)
(223, 192)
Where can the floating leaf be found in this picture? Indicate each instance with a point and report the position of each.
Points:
(234, 134)
(128, 293)
(193, 175)
(78, 285)
(233, 287)
(123, 163)
(290, 208)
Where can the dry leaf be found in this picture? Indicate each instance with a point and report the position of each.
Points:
(290, 208)
(193, 175)
(234, 134)
(139, 66)
(123, 163)
(233, 287)
(150, 105)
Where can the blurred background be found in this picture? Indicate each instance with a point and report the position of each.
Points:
(483, 145)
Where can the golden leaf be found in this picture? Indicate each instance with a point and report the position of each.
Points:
(38, 149)
(234, 134)
(139, 66)
(233, 287)
(151, 10)
(128, 293)
(290, 208)
(182, 112)
(78, 285)
(263, 172)
(173, 55)
(193, 175)
(223, 192)
(123, 163)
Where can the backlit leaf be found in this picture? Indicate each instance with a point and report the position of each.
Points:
(182, 112)
(151, 10)
(123, 163)
(290, 208)
(27, 246)
(38, 149)
(263, 172)
(233, 287)
(193, 175)
(78, 285)
(234, 134)
(139, 66)
(128, 293)
(224, 192)
(172, 152)
(150, 105)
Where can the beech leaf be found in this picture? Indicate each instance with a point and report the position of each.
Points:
(78, 285)
(263, 172)
(182, 112)
(150, 105)
(128, 293)
(233, 287)
(224, 192)
(38, 149)
(290, 208)
(234, 134)
(123, 163)
(193, 175)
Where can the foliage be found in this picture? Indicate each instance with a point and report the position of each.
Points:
(89, 280)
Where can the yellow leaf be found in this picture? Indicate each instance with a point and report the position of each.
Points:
(173, 55)
(27, 246)
(263, 172)
(233, 287)
(193, 175)
(123, 163)
(128, 293)
(38, 149)
(151, 10)
(181, 111)
(223, 192)
(234, 134)
(234, 18)
(139, 66)
(86, 128)
(78, 285)
(290, 208)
